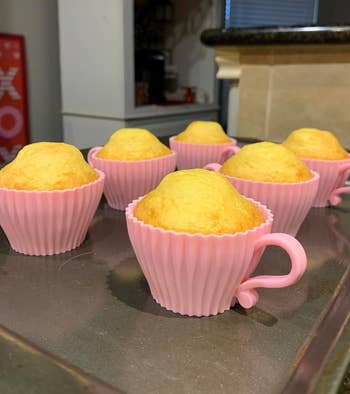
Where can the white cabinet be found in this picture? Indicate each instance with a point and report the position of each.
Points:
(97, 70)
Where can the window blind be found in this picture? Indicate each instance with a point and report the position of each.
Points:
(244, 13)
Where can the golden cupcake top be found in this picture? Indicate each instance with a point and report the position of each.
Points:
(198, 201)
(266, 162)
(315, 144)
(133, 144)
(47, 166)
(203, 132)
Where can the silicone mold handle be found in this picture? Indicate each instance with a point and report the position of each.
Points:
(334, 197)
(91, 152)
(246, 293)
(213, 167)
(228, 152)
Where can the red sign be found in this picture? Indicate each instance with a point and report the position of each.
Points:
(14, 130)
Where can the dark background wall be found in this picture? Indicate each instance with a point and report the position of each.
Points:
(333, 11)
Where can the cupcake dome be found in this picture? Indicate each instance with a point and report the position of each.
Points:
(48, 197)
(47, 166)
(266, 162)
(315, 144)
(203, 132)
(133, 144)
(198, 201)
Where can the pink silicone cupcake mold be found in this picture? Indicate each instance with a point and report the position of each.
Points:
(333, 174)
(198, 155)
(202, 275)
(127, 180)
(289, 202)
(49, 222)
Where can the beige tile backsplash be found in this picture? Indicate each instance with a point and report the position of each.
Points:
(295, 91)
(253, 100)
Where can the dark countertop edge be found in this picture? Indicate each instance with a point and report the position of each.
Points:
(277, 35)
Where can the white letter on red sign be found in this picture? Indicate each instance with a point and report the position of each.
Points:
(9, 155)
(6, 83)
(17, 127)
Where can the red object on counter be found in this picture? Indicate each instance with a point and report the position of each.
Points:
(188, 94)
(14, 127)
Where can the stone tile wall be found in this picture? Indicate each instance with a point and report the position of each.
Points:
(285, 88)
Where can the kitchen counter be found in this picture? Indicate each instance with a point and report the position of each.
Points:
(86, 318)
(277, 35)
(283, 78)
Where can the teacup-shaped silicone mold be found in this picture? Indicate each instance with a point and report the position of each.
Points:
(333, 174)
(201, 275)
(289, 202)
(49, 222)
(130, 179)
(198, 155)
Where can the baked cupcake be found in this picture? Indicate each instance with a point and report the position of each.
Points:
(275, 176)
(322, 152)
(197, 241)
(134, 161)
(315, 144)
(48, 196)
(201, 143)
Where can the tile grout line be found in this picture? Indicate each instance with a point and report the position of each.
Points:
(268, 101)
